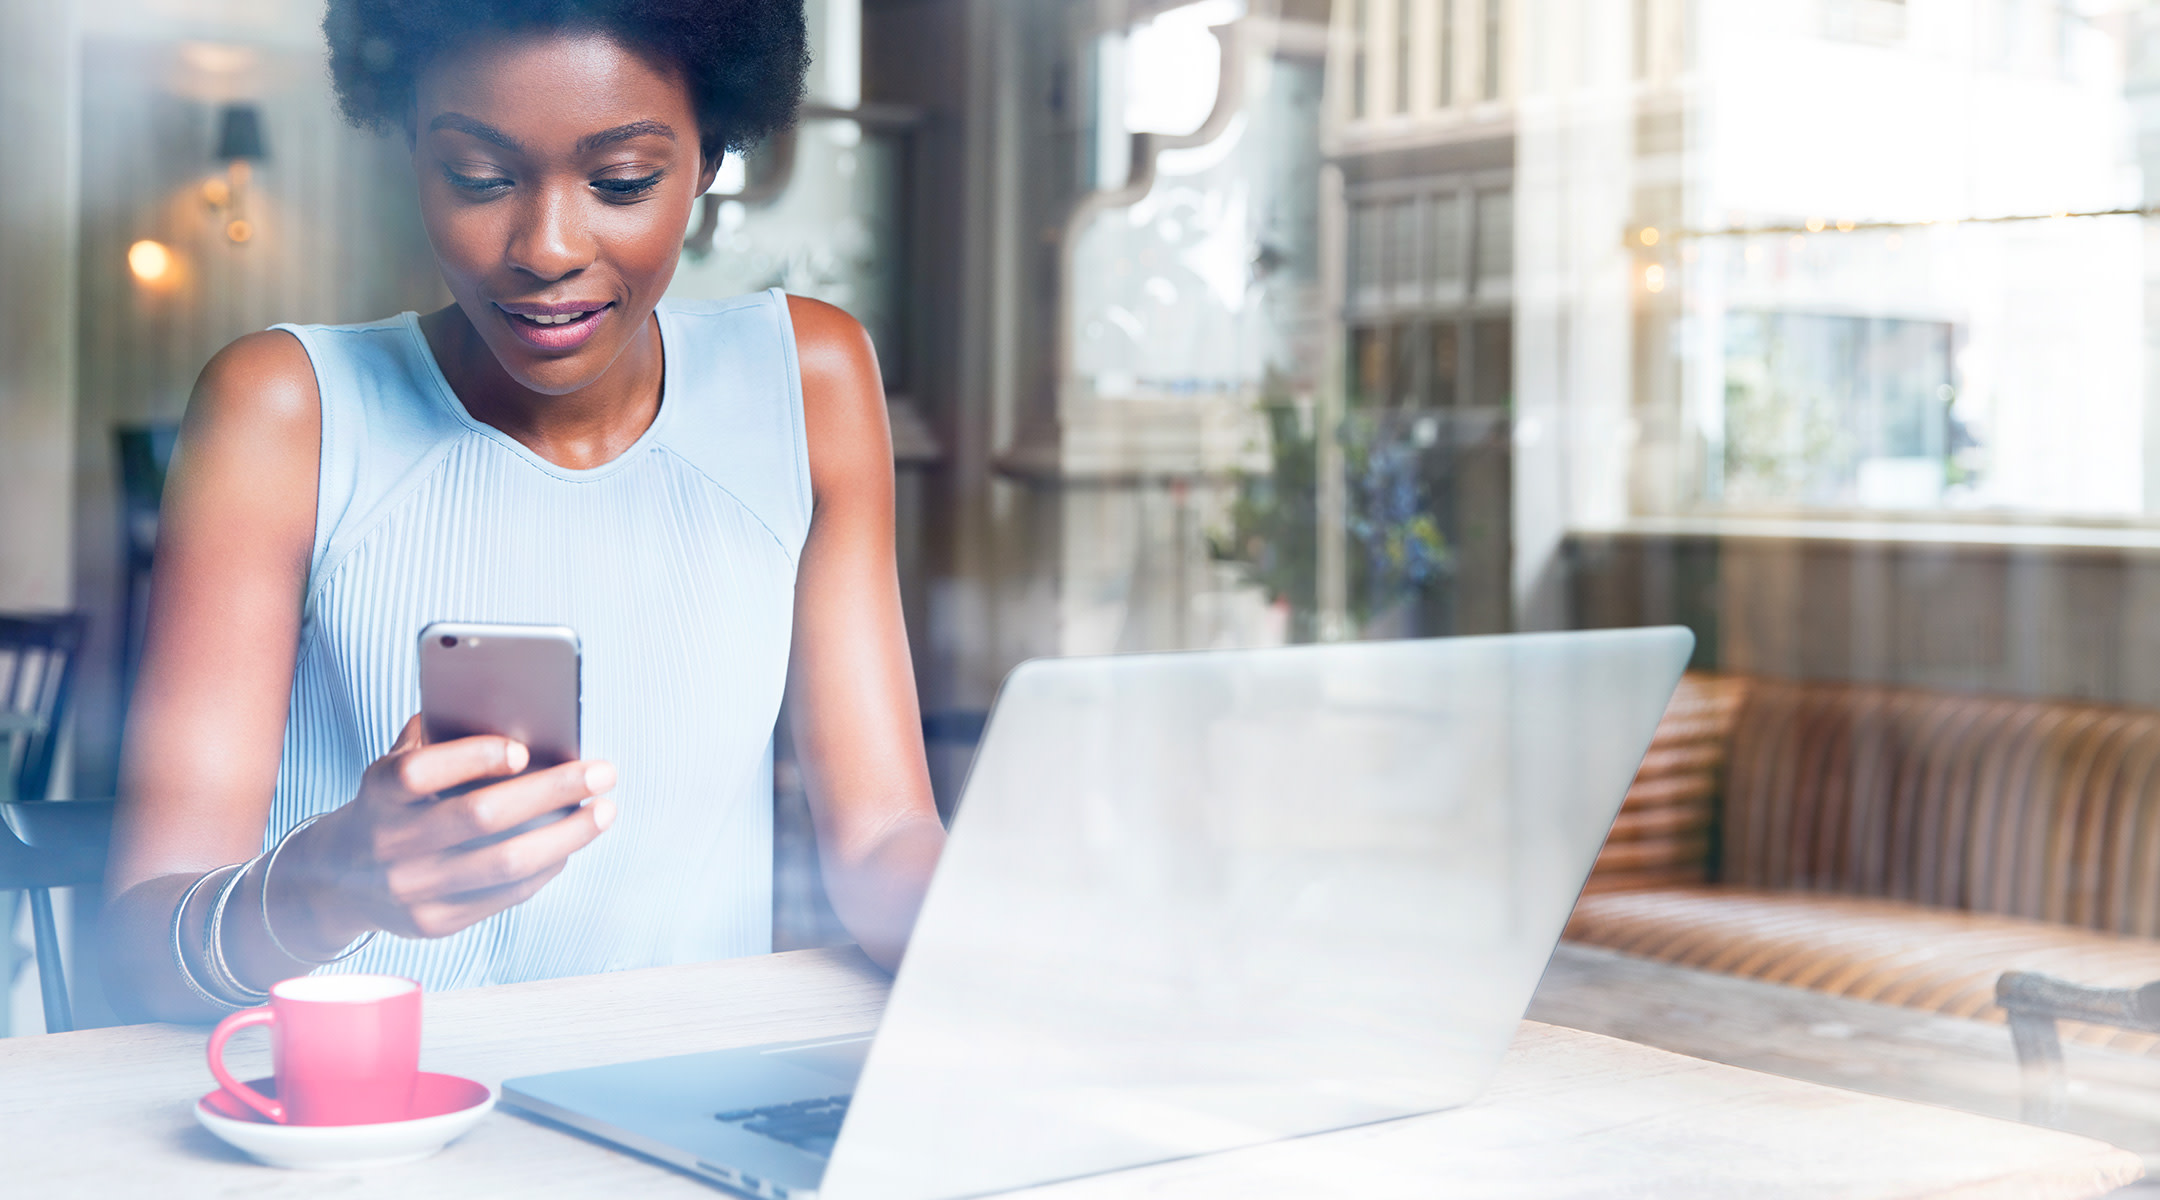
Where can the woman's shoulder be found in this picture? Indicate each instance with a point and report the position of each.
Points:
(740, 391)
(246, 458)
(264, 382)
(810, 324)
(291, 375)
(843, 397)
(812, 355)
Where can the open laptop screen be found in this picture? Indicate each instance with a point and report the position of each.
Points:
(1196, 901)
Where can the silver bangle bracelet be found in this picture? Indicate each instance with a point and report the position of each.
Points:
(187, 974)
(269, 865)
(222, 977)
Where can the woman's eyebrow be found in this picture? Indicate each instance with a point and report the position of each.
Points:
(479, 129)
(623, 133)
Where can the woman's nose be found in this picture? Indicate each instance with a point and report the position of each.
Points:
(551, 241)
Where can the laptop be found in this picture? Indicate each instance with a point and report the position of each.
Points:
(1192, 902)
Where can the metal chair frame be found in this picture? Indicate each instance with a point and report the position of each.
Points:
(38, 654)
(2035, 1002)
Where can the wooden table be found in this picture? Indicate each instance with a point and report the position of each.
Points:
(1881, 1049)
(106, 1112)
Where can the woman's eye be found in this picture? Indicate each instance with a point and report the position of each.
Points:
(621, 188)
(477, 185)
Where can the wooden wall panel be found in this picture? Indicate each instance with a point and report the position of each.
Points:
(337, 239)
(37, 360)
(2070, 621)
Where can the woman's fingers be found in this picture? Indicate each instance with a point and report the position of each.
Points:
(441, 918)
(428, 879)
(490, 810)
(425, 770)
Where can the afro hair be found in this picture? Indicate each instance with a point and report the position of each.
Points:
(743, 59)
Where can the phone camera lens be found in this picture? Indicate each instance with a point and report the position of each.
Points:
(448, 641)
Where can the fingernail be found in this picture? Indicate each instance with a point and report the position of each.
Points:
(599, 777)
(603, 812)
(517, 755)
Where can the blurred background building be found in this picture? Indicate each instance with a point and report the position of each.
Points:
(1821, 326)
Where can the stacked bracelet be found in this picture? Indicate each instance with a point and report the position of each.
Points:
(187, 973)
(271, 864)
(223, 988)
(222, 978)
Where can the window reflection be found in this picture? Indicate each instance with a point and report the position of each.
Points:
(1819, 326)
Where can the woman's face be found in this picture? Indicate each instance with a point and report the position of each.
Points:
(557, 172)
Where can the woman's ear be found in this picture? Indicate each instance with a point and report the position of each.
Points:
(708, 169)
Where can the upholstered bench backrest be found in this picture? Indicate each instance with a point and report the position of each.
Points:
(1662, 836)
(2033, 808)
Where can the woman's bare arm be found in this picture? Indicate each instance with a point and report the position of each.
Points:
(207, 721)
(851, 685)
(206, 729)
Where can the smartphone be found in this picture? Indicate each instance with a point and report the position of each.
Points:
(519, 681)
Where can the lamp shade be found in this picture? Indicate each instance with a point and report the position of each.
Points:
(240, 134)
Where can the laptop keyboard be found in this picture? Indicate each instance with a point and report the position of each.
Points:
(811, 1125)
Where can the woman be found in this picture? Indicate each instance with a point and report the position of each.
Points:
(703, 491)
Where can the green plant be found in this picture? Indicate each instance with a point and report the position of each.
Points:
(1397, 550)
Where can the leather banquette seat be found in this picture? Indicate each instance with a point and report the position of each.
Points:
(1887, 844)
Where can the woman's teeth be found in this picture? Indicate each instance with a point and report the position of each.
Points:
(557, 319)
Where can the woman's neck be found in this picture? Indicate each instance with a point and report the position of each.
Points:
(576, 430)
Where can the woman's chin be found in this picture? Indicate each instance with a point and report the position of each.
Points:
(556, 374)
(554, 380)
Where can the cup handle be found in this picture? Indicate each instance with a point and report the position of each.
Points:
(238, 1090)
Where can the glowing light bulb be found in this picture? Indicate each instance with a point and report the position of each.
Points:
(149, 261)
(1649, 235)
(1814, 224)
(1653, 278)
(239, 231)
(1844, 226)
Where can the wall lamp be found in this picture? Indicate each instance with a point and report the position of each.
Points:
(239, 146)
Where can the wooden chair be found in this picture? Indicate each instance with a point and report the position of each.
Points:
(44, 844)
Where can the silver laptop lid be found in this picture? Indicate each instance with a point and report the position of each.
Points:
(1198, 901)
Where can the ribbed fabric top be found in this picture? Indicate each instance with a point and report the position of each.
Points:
(675, 564)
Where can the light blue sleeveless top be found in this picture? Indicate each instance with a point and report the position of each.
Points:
(675, 563)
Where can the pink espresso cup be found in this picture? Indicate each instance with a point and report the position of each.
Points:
(346, 1049)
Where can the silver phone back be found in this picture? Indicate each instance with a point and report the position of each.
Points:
(519, 681)
(1198, 901)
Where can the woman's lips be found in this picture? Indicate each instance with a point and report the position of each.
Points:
(553, 327)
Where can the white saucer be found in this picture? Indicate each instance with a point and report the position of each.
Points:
(445, 1107)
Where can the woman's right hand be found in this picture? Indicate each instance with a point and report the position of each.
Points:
(400, 856)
